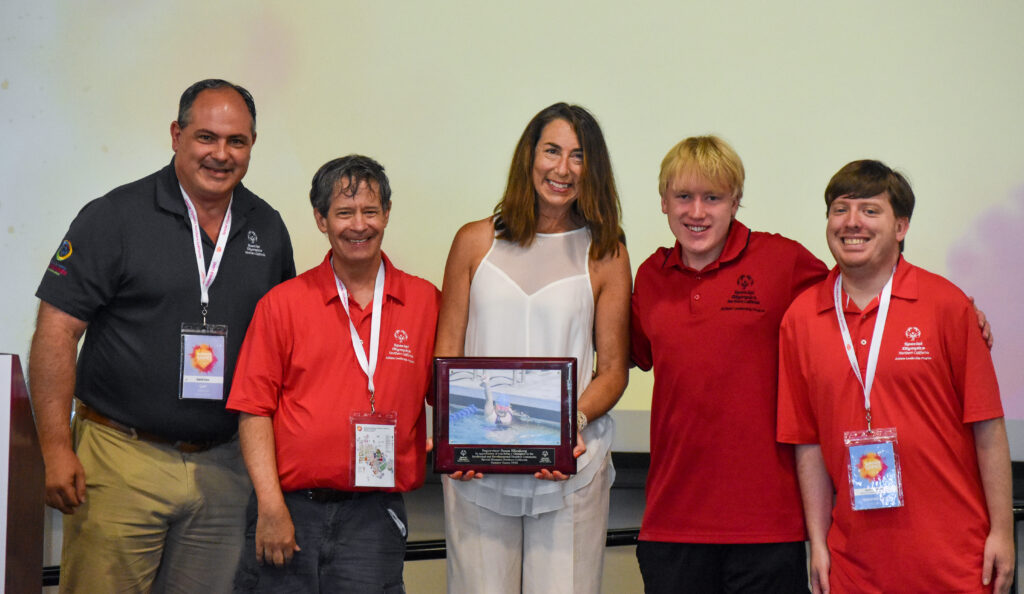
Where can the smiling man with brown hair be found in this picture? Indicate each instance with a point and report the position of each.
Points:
(887, 388)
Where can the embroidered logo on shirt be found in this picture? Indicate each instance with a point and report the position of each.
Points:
(253, 249)
(744, 298)
(913, 348)
(64, 251)
(400, 351)
(57, 269)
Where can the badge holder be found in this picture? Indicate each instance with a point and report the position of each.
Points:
(373, 449)
(203, 358)
(874, 469)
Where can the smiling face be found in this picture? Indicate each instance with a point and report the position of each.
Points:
(557, 168)
(212, 150)
(864, 234)
(354, 225)
(699, 214)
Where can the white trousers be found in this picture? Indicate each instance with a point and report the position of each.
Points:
(558, 552)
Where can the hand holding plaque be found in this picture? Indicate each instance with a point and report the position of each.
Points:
(505, 415)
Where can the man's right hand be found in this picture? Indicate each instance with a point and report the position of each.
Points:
(65, 481)
(275, 537)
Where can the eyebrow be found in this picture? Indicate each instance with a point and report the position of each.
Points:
(209, 132)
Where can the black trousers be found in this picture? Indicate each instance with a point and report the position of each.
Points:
(770, 568)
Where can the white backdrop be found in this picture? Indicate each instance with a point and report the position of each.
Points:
(439, 93)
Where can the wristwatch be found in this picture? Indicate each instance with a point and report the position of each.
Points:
(581, 420)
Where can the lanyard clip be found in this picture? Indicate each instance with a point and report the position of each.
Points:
(868, 417)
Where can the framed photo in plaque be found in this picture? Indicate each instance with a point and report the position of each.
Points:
(504, 415)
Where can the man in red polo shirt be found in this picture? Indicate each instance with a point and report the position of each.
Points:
(887, 388)
(723, 506)
(330, 384)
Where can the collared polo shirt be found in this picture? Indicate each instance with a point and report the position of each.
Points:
(934, 378)
(298, 366)
(711, 336)
(127, 266)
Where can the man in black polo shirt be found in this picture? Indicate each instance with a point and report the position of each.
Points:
(161, 276)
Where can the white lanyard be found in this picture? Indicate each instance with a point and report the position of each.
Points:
(876, 338)
(206, 276)
(369, 367)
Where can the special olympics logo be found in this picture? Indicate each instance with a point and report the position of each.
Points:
(745, 281)
(401, 336)
(913, 333)
(252, 236)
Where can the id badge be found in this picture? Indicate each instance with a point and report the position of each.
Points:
(373, 449)
(202, 361)
(874, 469)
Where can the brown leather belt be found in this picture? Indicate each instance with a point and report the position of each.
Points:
(88, 413)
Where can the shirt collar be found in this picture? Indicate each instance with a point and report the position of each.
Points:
(904, 286)
(394, 288)
(169, 193)
(735, 244)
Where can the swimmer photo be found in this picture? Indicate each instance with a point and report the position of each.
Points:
(504, 406)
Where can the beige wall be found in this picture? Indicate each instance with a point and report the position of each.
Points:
(440, 91)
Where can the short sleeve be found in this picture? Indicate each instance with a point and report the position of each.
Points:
(808, 271)
(259, 374)
(974, 376)
(287, 255)
(639, 342)
(435, 307)
(796, 420)
(84, 273)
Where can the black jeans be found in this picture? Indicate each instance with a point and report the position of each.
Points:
(355, 546)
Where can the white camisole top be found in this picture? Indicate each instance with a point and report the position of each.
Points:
(536, 302)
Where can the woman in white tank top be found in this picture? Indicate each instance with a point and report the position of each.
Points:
(546, 276)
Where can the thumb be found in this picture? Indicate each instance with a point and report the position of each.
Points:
(80, 486)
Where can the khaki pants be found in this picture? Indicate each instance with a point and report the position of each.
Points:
(558, 552)
(154, 519)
